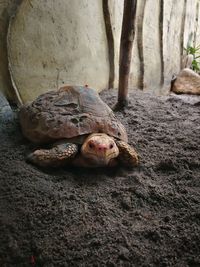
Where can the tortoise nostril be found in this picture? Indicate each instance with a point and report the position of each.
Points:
(102, 147)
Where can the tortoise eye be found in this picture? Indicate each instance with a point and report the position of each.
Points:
(91, 145)
(111, 146)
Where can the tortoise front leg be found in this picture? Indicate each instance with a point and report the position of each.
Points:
(59, 155)
(127, 154)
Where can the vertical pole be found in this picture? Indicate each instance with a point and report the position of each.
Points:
(126, 45)
(110, 38)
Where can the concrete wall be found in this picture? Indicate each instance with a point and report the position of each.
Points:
(51, 43)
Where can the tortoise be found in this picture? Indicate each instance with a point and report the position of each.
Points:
(82, 129)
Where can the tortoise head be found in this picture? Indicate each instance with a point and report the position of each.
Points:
(99, 149)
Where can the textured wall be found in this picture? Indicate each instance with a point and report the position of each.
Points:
(152, 79)
(163, 28)
(77, 42)
(173, 17)
(137, 63)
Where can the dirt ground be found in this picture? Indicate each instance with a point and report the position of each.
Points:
(148, 216)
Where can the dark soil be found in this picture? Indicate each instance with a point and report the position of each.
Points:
(148, 216)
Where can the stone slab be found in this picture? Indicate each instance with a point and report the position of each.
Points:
(52, 43)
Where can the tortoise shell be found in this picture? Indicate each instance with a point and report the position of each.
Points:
(69, 112)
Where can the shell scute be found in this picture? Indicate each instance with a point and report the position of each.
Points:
(67, 113)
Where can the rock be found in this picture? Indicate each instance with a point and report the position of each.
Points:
(187, 82)
(6, 113)
(62, 47)
(124, 253)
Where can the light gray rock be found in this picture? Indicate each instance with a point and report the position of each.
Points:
(187, 82)
(6, 113)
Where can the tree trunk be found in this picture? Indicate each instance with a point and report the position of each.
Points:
(126, 44)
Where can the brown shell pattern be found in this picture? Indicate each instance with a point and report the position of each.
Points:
(68, 112)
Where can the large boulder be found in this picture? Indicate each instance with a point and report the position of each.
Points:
(187, 82)
(51, 43)
(7, 9)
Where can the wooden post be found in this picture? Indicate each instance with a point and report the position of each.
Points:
(126, 44)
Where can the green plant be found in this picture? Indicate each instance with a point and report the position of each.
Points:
(195, 51)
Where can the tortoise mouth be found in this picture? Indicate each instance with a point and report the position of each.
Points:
(99, 160)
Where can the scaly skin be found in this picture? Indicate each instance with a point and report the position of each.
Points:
(127, 154)
(59, 155)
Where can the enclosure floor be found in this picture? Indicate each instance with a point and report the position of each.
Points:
(148, 216)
